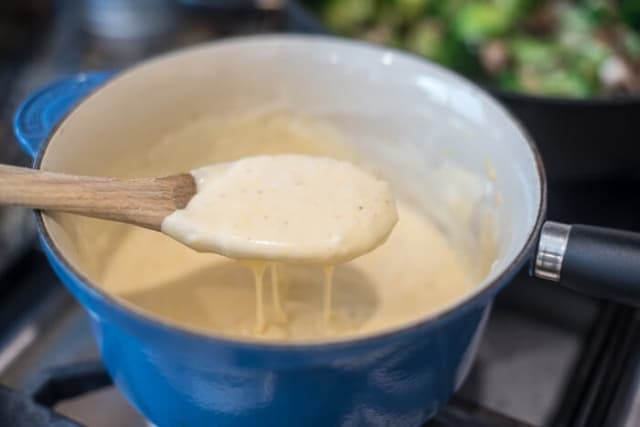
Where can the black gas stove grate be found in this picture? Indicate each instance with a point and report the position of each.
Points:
(33, 408)
(610, 357)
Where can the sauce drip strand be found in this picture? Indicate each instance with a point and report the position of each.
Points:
(328, 290)
(258, 269)
(275, 293)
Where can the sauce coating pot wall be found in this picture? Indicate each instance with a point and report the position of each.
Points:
(413, 121)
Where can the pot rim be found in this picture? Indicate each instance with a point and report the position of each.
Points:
(473, 298)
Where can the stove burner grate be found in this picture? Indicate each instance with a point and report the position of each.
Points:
(34, 407)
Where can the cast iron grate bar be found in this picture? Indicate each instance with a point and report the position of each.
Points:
(585, 366)
(624, 404)
(66, 382)
(611, 372)
(17, 409)
(462, 413)
(590, 392)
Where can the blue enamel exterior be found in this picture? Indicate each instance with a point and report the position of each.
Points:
(38, 115)
(179, 378)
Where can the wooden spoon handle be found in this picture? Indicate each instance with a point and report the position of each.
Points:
(144, 201)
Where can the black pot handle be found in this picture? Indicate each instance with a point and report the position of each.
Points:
(599, 261)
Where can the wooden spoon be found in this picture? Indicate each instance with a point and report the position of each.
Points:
(254, 208)
(144, 202)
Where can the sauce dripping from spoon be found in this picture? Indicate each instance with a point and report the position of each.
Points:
(296, 209)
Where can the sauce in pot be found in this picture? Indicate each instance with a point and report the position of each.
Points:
(416, 271)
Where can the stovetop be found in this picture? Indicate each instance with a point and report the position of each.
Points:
(549, 356)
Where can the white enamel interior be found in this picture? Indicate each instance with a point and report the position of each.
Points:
(421, 127)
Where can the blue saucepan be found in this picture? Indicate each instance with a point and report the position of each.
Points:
(409, 115)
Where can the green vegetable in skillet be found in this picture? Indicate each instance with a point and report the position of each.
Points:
(631, 41)
(427, 38)
(477, 22)
(431, 39)
(567, 48)
(630, 11)
(349, 16)
(409, 9)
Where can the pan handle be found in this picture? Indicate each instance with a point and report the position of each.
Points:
(598, 261)
(39, 114)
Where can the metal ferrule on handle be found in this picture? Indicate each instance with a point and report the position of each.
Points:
(551, 248)
(597, 261)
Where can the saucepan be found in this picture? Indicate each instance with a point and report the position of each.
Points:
(419, 117)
